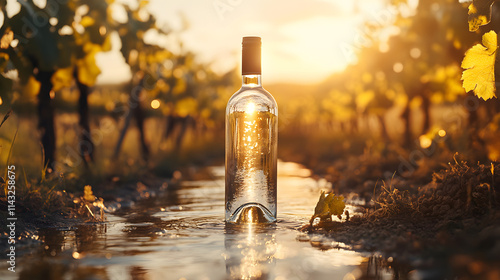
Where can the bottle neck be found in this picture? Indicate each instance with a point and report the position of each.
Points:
(251, 81)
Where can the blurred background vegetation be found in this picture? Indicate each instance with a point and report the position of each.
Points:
(399, 106)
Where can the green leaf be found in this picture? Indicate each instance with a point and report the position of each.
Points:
(35, 40)
(62, 78)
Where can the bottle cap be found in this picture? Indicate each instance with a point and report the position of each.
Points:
(250, 64)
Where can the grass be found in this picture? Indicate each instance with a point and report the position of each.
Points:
(459, 203)
(393, 202)
(460, 191)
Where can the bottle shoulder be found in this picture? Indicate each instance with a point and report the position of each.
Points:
(255, 95)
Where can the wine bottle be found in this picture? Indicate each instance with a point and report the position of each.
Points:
(251, 145)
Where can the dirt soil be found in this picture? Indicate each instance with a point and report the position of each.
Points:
(454, 219)
(68, 210)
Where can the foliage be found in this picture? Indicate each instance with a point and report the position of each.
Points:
(479, 64)
(479, 61)
(71, 40)
(64, 46)
(409, 60)
(327, 206)
(479, 13)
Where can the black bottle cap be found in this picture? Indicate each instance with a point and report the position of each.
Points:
(250, 64)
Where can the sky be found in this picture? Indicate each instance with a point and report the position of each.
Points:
(303, 41)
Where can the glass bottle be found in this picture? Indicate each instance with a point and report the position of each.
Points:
(251, 145)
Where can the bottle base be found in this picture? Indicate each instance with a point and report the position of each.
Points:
(252, 213)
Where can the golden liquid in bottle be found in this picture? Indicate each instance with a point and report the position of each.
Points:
(251, 159)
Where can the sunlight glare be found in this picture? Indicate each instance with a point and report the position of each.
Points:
(155, 104)
(53, 21)
(250, 108)
(250, 216)
(118, 13)
(398, 67)
(425, 142)
(415, 53)
(102, 30)
(316, 44)
(13, 7)
(40, 3)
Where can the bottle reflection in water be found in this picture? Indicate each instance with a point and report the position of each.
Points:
(251, 145)
(250, 251)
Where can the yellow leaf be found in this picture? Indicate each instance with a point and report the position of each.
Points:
(364, 98)
(479, 13)
(336, 205)
(89, 47)
(437, 98)
(62, 78)
(205, 113)
(321, 208)
(107, 45)
(87, 21)
(366, 78)
(4, 59)
(479, 65)
(7, 38)
(329, 205)
(32, 87)
(180, 87)
(87, 194)
(186, 106)
(87, 69)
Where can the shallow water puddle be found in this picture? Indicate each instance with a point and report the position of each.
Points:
(181, 235)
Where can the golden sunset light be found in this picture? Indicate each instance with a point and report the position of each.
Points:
(305, 44)
(238, 139)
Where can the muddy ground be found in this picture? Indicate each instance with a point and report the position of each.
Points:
(452, 222)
